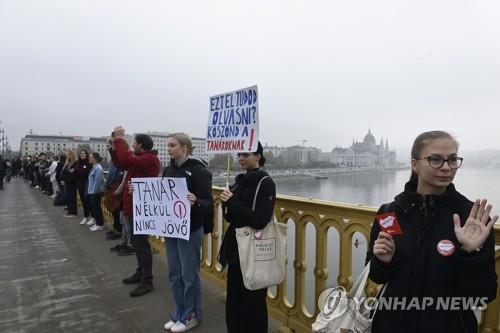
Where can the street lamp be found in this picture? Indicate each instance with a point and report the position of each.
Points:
(2, 131)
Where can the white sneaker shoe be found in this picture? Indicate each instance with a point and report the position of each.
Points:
(96, 228)
(91, 222)
(84, 221)
(184, 327)
(168, 325)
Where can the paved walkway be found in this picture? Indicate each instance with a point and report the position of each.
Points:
(57, 276)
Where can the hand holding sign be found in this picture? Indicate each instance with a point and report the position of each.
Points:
(192, 198)
(476, 229)
(226, 195)
(384, 247)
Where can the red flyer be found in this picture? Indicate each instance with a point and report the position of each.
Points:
(389, 223)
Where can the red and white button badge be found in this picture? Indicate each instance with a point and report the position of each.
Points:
(445, 247)
(389, 223)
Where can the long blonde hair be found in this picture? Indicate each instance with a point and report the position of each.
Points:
(184, 140)
(71, 157)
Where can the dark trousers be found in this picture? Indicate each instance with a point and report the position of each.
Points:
(142, 253)
(246, 310)
(95, 207)
(82, 187)
(1, 181)
(71, 198)
(117, 225)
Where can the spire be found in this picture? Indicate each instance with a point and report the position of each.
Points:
(386, 144)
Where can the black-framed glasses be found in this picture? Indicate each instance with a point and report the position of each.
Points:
(437, 161)
(243, 154)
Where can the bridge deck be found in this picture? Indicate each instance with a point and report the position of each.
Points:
(57, 276)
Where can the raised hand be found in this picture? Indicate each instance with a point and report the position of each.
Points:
(118, 132)
(384, 247)
(476, 229)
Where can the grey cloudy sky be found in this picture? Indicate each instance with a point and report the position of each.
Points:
(326, 70)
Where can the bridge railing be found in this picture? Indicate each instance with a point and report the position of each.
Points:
(327, 243)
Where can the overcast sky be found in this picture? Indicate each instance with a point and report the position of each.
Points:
(326, 70)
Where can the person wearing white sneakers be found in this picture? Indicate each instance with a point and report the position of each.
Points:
(183, 256)
(95, 188)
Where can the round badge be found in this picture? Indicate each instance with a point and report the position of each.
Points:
(445, 247)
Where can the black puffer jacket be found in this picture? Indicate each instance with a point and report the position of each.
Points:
(199, 182)
(419, 270)
(238, 210)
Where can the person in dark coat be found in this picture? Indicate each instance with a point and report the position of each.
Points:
(432, 245)
(2, 171)
(184, 256)
(246, 310)
(68, 180)
(82, 171)
(142, 162)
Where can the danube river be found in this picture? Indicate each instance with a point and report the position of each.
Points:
(376, 187)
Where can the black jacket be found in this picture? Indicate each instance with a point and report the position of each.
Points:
(238, 210)
(82, 170)
(199, 182)
(69, 177)
(419, 270)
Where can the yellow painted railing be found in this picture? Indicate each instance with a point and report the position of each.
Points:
(315, 227)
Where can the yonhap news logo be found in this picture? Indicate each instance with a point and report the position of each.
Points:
(334, 302)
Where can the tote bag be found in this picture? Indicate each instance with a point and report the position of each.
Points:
(343, 314)
(262, 252)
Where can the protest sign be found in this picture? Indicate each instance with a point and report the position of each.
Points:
(233, 122)
(161, 207)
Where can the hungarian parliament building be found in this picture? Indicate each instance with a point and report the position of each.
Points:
(365, 154)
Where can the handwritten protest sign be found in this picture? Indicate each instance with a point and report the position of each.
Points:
(161, 207)
(233, 122)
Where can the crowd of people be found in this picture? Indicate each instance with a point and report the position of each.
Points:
(409, 259)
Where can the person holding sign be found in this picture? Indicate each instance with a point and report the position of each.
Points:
(246, 310)
(143, 162)
(432, 246)
(184, 255)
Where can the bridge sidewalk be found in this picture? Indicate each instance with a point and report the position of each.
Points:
(57, 276)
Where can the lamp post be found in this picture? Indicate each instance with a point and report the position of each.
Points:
(2, 131)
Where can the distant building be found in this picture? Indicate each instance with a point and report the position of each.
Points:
(366, 154)
(300, 154)
(33, 144)
(274, 150)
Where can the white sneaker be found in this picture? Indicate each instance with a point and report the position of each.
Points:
(96, 228)
(168, 325)
(91, 222)
(84, 221)
(181, 327)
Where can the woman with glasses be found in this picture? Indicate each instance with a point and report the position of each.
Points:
(432, 247)
(246, 310)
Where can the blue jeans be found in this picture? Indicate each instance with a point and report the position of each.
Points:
(184, 275)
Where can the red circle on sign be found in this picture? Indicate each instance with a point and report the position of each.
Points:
(445, 247)
(180, 209)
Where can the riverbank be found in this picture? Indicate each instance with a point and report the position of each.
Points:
(220, 178)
